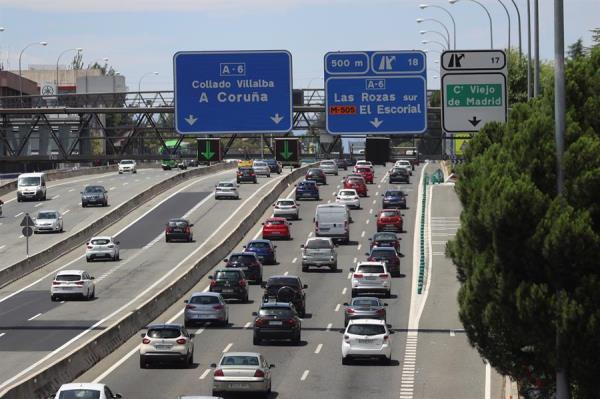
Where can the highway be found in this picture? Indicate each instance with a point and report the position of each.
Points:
(313, 369)
(34, 330)
(64, 196)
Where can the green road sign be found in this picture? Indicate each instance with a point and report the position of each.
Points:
(209, 150)
(287, 151)
(474, 95)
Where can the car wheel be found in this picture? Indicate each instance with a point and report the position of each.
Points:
(190, 359)
(305, 268)
(83, 205)
(297, 338)
(135, 172)
(120, 172)
(187, 323)
(143, 364)
(167, 239)
(245, 299)
(53, 298)
(259, 281)
(334, 268)
(387, 361)
(256, 340)
(388, 294)
(345, 360)
(302, 312)
(354, 293)
(216, 393)
(93, 295)
(88, 259)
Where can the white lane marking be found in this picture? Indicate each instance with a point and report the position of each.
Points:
(349, 275)
(258, 233)
(344, 291)
(338, 186)
(488, 381)
(337, 307)
(374, 202)
(206, 289)
(294, 260)
(377, 194)
(34, 317)
(21, 236)
(2, 246)
(229, 345)
(67, 211)
(38, 205)
(379, 186)
(2, 335)
(359, 247)
(304, 375)
(368, 220)
(286, 273)
(247, 325)
(329, 326)
(354, 260)
(203, 375)
(362, 234)
(319, 347)
(56, 196)
(370, 211)
(333, 194)
(329, 201)
(125, 184)
(117, 364)
(310, 234)
(71, 190)
(112, 188)
(19, 214)
(100, 181)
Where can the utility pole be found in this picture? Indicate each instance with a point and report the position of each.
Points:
(529, 77)
(536, 32)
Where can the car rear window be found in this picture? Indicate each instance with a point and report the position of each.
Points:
(346, 193)
(93, 189)
(239, 361)
(363, 169)
(394, 193)
(385, 237)
(259, 164)
(389, 214)
(226, 275)
(399, 170)
(306, 184)
(275, 222)
(204, 300)
(365, 302)
(68, 277)
(177, 223)
(328, 163)
(283, 281)
(366, 329)
(383, 253)
(318, 244)
(163, 333)
(79, 394)
(260, 245)
(285, 203)
(354, 180)
(226, 185)
(281, 312)
(315, 171)
(100, 241)
(242, 258)
(125, 162)
(370, 269)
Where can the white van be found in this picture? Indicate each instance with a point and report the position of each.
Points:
(31, 186)
(332, 220)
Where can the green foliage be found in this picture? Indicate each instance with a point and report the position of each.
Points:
(77, 62)
(517, 76)
(527, 259)
(576, 49)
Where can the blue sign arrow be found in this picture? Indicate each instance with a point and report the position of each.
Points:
(376, 92)
(233, 92)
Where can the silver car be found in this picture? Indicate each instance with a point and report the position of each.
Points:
(319, 252)
(242, 372)
(329, 167)
(48, 221)
(287, 208)
(206, 306)
(261, 168)
(371, 277)
(127, 165)
(365, 307)
(166, 342)
(227, 189)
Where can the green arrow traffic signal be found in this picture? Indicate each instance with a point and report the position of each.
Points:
(286, 154)
(208, 154)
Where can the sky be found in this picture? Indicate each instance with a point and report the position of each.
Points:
(141, 36)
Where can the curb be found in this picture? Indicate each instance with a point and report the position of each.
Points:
(40, 259)
(421, 279)
(79, 360)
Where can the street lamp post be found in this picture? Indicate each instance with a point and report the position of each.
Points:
(424, 6)
(421, 20)
(489, 17)
(78, 49)
(536, 38)
(434, 41)
(508, 16)
(21, 72)
(143, 76)
(529, 77)
(445, 38)
(519, 22)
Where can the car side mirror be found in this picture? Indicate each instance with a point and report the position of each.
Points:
(375, 215)
(263, 285)
(402, 214)
(301, 245)
(262, 224)
(274, 246)
(305, 286)
(345, 304)
(117, 242)
(142, 335)
(225, 260)
(185, 301)
(254, 313)
(192, 335)
(352, 269)
(81, 192)
(92, 278)
(271, 366)
(366, 254)
(192, 225)
(389, 326)
(213, 365)
(211, 277)
(385, 304)
(370, 239)
(290, 224)
(243, 246)
(341, 330)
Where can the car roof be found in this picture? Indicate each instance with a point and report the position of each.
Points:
(256, 354)
(276, 219)
(101, 238)
(259, 240)
(249, 253)
(276, 305)
(63, 272)
(33, 174)
(366, 321)
(165, 325)
(84, 385)
(207, 293)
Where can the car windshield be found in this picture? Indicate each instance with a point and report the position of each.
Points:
(226, 185)
(47, 215)
(100, 241)
(347, 193)
(204, 300)
(259, 245)
(385, 237)
(306, 184)
(370, 269)
(126, 162)
(366, 329)
(245, 259)
(318, 244)
(365, 302)
(29, 181)
(68, 277)
(383, 253)
(279, 311)
(355, 181)
(163, 333)
(79, 394)
(94, 189)
(314, 171)
(394, 193)
(178, 223)
(285, 203)
(239, 361)
(389, 214)
(283, 281)
(275, 222)
(227, 275)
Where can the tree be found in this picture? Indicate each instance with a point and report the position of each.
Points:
(595, 37)
(77, 63)
(576, 49)
(527, 259)
(517, 77)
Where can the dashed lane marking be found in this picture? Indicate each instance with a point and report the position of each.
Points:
(349, 275)
(112, 188)
(34, 317)
(19, 214)
(329, 326)
(229, 345)
(38, 205)
(319, 347)
(285, 274)
(247, 325)
(337, 307)
(294, 260)
(368, 220)
(67, 211)
(304, 375)
(3, 334)
(374, 202)
(204, 374)
(362, 234)
(344, 291)
(359, 247)
(371, 211)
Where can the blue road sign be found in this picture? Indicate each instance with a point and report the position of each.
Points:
(376, 92)
(233, 92)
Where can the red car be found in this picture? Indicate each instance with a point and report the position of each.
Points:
(276, 227)
(390, 220)
(357, 183)
(366, 172)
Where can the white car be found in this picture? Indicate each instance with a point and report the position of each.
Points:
(72, 283)
(85, 390)
(127, 165)
(48, 221)
(403, 163)
(166, 342)
(227, 189)
(261, 168)
(364, 163)
(287, 208)
(329, 167)
(367, 339)
(349, 197)
(371, 277)
(102, 247)
(247, 372)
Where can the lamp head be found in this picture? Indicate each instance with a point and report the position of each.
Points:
(155, 73)
(422, 32)
(423, 6)
(419, 20)
(424, 41)
(452, 1)
(44, 43)
(79, 49)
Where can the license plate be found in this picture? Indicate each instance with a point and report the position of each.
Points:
(365, 341)
(275, 323)
(275, 233)
(227, 290)
(177, 230)
(238, 386)
(66, 288)
(324, 229)
(369, 277)
(162, 347)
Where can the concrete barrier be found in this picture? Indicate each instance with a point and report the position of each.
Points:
(81, 359)
(48, 255)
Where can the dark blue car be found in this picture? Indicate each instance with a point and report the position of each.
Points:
(394, 199)
(307, 189)
(274, 166)
(264, 250)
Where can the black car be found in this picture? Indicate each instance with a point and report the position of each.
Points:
(230, 283)
(386, 239)
(277, 320)
(286, 289)
(94, 195)
(317, 175)
(394, 199)
(399, 175)
(341, 163)
(387, 255)
(274, 165)
(179, 229)
(246, 175)
(247, 262)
